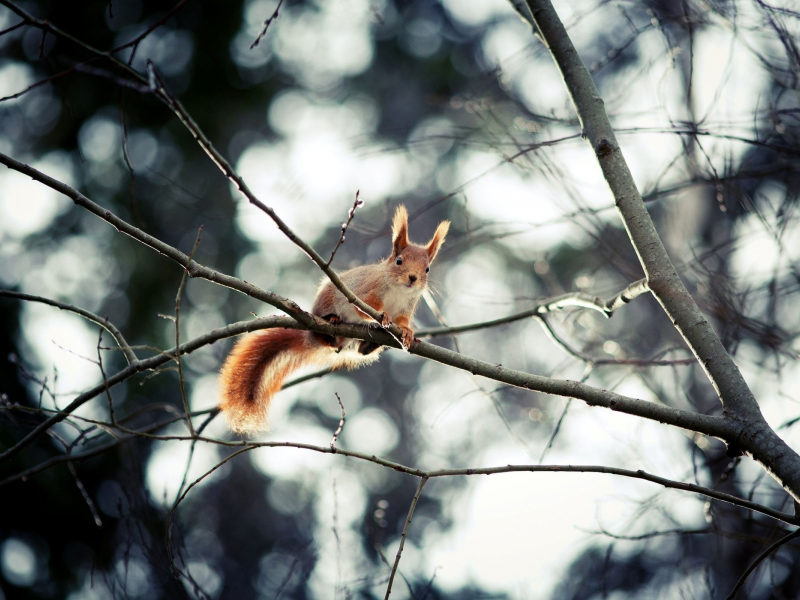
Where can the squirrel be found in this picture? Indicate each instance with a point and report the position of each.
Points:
(261, 361)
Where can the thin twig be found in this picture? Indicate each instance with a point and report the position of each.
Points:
(103, 322)
(178, 331)
(267, 23)
(126, 157)
(639, 474)
(88, 499)
(12, 28)
(737, 399)
(105, 379)
(556, 429)
(350, 214)
(195, 269)
(759, 559)
(422, 482)
(47, 27)
(654, 534)
(574, 299)
(341, 424)
(170, 515)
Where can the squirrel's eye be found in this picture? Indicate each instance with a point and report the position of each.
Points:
(427, 269)
(399, 260)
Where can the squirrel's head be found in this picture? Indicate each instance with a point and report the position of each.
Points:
(409, 263)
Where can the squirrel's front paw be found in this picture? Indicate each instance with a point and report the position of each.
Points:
(407, 337)
(385, 321)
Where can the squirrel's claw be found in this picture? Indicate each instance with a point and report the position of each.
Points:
(382, 324)
(407, 337)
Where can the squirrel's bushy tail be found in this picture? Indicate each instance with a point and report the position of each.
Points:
(256, 369)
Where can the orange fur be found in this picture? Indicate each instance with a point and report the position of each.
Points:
(437, 240)
(373, 300)
(255, 370)
(403, 322)
(399, 230)
(259, 363)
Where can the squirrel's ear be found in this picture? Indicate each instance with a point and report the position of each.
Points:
(438, 239)
(399, 230)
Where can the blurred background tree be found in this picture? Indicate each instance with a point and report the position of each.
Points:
(456, 110)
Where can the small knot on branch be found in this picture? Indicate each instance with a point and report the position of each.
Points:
(604, 148)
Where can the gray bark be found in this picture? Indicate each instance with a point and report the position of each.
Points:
(751, 433)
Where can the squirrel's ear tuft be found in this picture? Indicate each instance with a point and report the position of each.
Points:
(438, 239)
(399, 230)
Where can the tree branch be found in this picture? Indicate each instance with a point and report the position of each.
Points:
(245, 191)
(130, 355)
(414, 501)
(709, 425)
(714, 426)
(638, 474)
(145, 365)
(739, 405)
(194, 268)
(575, 299)
(153, 82)
(759, 559)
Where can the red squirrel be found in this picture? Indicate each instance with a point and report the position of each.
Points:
(260, 362)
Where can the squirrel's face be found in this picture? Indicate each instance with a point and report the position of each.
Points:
(410, 267)
(409, 264)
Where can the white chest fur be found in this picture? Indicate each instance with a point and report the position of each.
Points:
(402, 300)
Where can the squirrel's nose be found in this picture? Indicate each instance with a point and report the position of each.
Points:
(412, 278)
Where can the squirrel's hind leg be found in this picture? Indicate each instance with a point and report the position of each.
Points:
(365, 348)
(330, 340)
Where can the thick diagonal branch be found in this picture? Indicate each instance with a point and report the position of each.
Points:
(739, 404)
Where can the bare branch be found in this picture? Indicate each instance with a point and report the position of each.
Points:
(158, 86)
(739, 405)
(178, 332)
(12, 28)
(639, 474)
(701, 423)
(707, 424)
(105, 380)
(195, 269)
(104, 323)
(422, 483)
(759, 559)
(574, 299)
(556, 429)
(341, 424)
(145, 365)
(350, 214)
(267, 23)
(86, 497)
(48, 27)
(654, 534)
